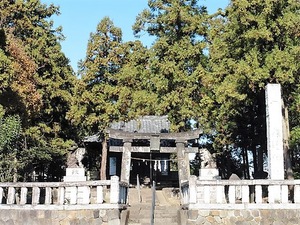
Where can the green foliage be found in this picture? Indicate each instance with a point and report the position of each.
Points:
(211, 69)
(113, 80)
(10, 132)
(10, 129)
(180, 28)
(95, 92)
(36, 82)
(252, 43)
(121, 81)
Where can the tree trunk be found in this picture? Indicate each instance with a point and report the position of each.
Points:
(286, 149)
(254, 156)
(246, 163)
(15, 176)
(103, 160)
(228, 157)
(260, 133)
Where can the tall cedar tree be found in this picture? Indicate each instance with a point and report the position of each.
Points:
(98, 93)
(36, 83)
(96, 107)
(180, 27)
(253, 43)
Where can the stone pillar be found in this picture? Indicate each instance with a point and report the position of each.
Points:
(183, 162)
(193, 190)
(126, 161)
(274, 132)
(23, 196)
(11, 195)
(114, 190)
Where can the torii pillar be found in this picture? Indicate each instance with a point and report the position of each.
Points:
(126, 161)
(183, 162)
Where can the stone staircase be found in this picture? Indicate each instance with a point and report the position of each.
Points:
(166, 208)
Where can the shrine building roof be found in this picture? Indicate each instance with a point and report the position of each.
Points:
(145, 124)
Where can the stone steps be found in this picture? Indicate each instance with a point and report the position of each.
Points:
(140, 212)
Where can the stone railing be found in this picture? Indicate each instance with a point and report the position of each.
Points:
(240, 194)
(64, 195)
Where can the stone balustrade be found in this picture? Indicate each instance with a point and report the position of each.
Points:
(240, 194)
(64, 195)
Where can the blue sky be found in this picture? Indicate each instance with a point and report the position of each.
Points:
(80, 17)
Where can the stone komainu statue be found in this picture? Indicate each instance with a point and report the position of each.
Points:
(75, 157)
(207, 159)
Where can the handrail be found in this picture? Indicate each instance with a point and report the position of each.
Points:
(77, 193)
(56, 184)
(222, 194)
(248, 182)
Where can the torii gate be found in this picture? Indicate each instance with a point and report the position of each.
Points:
(181, 149)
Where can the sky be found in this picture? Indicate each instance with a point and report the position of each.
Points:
(79, 18)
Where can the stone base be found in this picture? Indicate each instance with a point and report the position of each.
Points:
(75, 174)
(211, 196)
(209, 174)
(76, 195)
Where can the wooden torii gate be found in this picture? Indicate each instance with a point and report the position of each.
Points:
(181, 149)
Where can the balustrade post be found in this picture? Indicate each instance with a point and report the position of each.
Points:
(11, 195)
(23, 196)
(192, 198)
(297, 193)
(35, 195)
(48, 196)
(114, 190)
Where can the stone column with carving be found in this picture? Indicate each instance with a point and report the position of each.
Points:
(126, 161)
(183, 162)
(274, 131)
(274, 139)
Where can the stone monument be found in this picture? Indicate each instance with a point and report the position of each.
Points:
(274, 138)
(75, 173)
(209, 170)
(274, 131)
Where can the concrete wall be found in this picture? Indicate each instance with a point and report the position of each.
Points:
(60, 217)
(241, 217)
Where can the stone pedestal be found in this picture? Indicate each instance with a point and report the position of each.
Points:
(209, 174)
(74, 174)
(210, 194)
(76, 195)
